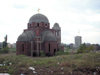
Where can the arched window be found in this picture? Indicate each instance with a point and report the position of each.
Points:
(56, 33)
(37, 24)
(49, 47)
(30, 25)
(22, 47)
(54, 51)
(46, 25)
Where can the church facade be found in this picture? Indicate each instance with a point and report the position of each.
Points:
(38, 37)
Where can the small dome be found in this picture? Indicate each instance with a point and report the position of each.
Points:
(38, 18)
(56, 26)
(26, 36)
(48, 36)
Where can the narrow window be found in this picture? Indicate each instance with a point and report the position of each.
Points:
(49, 47)
(46, 25)
(37, 24)
(54, 51)
(22, 47)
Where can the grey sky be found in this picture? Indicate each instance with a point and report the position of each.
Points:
(72, 15)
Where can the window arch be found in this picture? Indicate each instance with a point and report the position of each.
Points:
(22, 47)
(37, 24)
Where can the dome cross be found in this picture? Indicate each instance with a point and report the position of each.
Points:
(38, 10)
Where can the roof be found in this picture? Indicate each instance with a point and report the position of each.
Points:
(26, 36)
(56, 26)
(38, 18)
(47, 35)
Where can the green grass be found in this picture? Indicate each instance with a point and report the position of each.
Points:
(61, 52)
(12, 50)
(74, 61)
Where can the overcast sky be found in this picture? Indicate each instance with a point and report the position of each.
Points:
(75, 17)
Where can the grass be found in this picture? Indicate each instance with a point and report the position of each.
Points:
(91, 60)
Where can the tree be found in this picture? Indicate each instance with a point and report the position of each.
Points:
(85, 49)
(5, 42)
(82, 48)
(4, 50)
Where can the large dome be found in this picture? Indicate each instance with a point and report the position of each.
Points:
(48, 36)
(38, 18)
(26, 36)
(56, 26)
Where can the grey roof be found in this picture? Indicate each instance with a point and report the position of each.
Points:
(56, 26)
(38, 18)
(47, 35)
(26, 36)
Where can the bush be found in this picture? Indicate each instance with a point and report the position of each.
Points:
(85, 49)
(42, 53)
(13, 50)
(61, 52)
(4, 50)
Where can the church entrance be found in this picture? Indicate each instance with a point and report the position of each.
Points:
(54, 51)
(34, 54)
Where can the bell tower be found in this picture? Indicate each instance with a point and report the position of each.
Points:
(57, 32)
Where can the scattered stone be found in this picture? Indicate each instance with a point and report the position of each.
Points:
(62, 72)
(34, 72)
(51, 71)
(71, 73)
(4, 64)
(58, 63)
(32, 68)
(21, 74)
(10, 63)
(94, 73)
(62, 68)
(1, 64)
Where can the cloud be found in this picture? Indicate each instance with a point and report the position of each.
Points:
(19, 6)
(85, 4)
(72, 15)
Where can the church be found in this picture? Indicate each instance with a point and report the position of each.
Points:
(39, 37)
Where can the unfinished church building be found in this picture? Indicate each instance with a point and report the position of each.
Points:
(38, 37)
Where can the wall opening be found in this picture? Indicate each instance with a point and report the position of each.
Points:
(22, 47)
(56, 33)
(37, 24)
(46, 25)
(54, 51)
(49, 47)
(48, 53)
(34, 54)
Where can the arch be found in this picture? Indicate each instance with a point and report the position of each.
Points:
(49, 47)
(54, 51)
(22, 47)
(34, 54)
(37, 24)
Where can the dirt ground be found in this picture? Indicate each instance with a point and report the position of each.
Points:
(61, 70)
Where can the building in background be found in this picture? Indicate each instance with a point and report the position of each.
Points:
(14, 45)
(9, 45)
(78, 41)
(71, 46)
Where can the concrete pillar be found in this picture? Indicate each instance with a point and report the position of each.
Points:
(37, 48)
(32, 48)
(40, 45)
